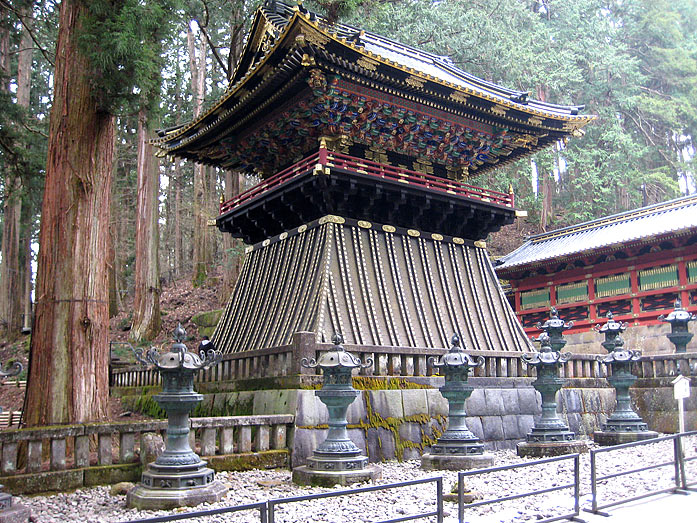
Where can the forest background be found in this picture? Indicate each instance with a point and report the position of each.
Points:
(143, 65)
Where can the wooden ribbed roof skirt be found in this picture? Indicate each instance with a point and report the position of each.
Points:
(378, 285)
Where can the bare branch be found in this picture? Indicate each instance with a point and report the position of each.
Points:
(648, 137)
(212, 47)
(35, 131)
(27, 27)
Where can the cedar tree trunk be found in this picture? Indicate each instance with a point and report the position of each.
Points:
(10, 266)
(68, 374)
(202, 249)
(146, 313)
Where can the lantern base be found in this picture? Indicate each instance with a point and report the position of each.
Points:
(328, 478)
(607, 438)
(164, 491)
(456, 462)
(558, 433)
(10, 512)
(542, 449)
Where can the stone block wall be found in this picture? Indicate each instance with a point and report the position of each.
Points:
(649, 339)
(404, 423)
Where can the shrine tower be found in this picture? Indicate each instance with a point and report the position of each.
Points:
(362, 222)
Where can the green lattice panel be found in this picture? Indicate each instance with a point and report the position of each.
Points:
(572, 292)
(692, 272)
(658, 278)
(534, 299)
(613, 285)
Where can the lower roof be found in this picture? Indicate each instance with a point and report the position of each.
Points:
(672, 217)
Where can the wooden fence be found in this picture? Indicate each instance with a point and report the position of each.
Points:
(407, 362)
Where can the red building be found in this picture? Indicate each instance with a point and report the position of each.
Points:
(634, 263)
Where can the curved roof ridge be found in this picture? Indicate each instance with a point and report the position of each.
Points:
(657, 220)
(613, 218)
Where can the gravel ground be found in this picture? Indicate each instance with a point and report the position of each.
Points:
(97, 505)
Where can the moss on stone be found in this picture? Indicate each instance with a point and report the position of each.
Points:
(144, 404)
(109, 474)
(430, 432)
(207, 319)
(268, 459)
(378, 383)
(60, 480)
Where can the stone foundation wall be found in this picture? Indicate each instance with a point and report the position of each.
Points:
(649, 339)
(404, 423)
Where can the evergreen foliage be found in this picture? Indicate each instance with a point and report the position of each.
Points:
(124, 40)
(632, 63)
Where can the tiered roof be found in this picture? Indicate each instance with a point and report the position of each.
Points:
(301, 78)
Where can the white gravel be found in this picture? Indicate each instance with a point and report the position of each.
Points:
(97, 505)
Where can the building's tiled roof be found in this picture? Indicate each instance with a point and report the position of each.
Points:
(418, 61)
(673, 216)
(288, 45)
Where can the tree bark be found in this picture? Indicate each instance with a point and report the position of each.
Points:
(4, 49)
(68, 374)
(201, 244)
(146, 305)
(114, 297)
(10, 267)
(27, 316)
(177, 220)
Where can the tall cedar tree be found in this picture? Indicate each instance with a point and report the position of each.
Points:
(68, 376)
(10, 263)
(101, 60)
(146, 303)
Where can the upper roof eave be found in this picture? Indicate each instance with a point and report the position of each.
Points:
(299, 22)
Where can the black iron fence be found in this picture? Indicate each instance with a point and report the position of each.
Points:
(438, 513)
(267, 509)
(682, 481)
(261, 507)
(574, 484)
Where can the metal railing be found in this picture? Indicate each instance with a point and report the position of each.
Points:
(438, 513)
(261, 507)
(267, 508)
(682, 484)
(575, 485)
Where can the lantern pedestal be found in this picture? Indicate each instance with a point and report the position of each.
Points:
(456, 462)
(551, 435)
(178, 477)
(624, 425)
(306, 475)
(337, 460)
(458, 448)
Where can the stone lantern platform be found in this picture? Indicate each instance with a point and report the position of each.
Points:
(178, 477)
(337, 460)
